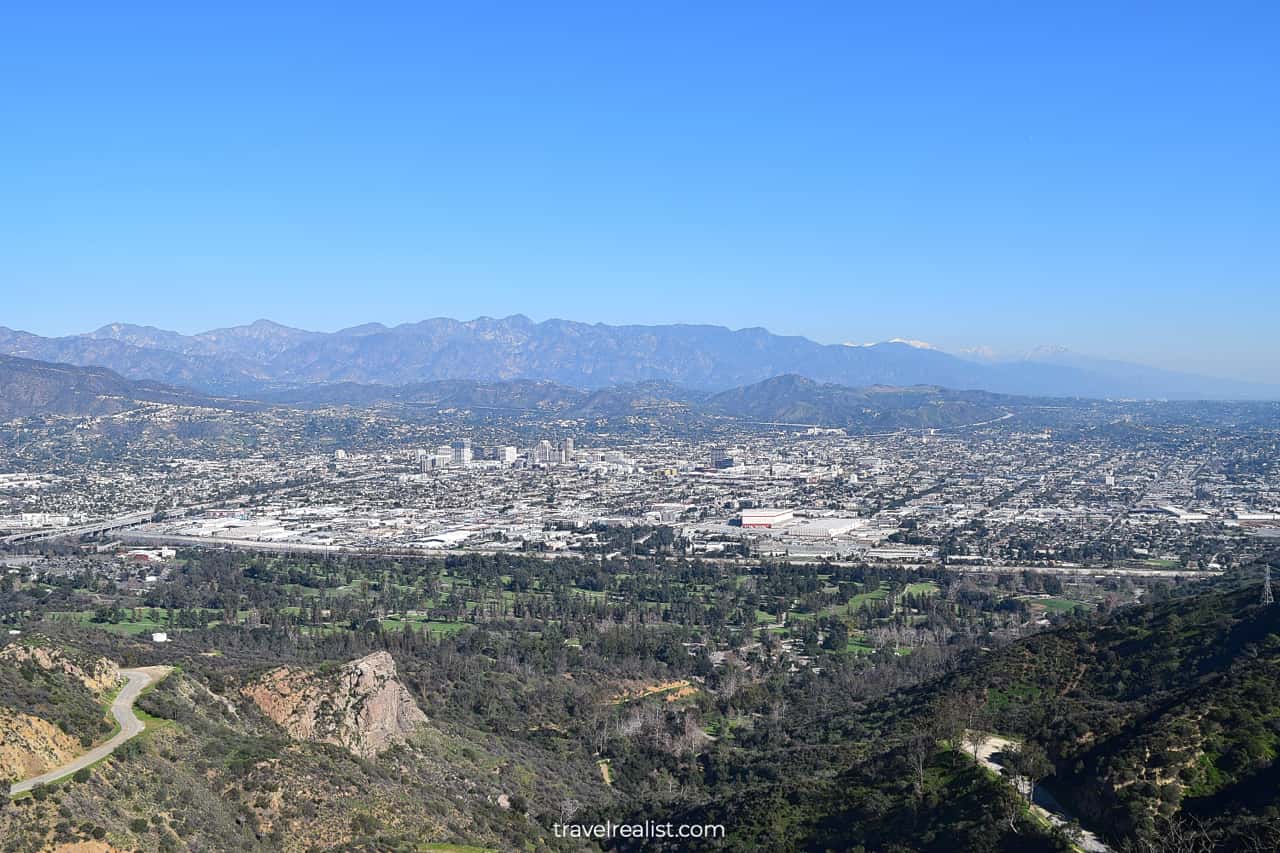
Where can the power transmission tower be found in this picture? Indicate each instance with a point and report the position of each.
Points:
(1266, 585)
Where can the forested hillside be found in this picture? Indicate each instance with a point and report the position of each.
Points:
(1161, 724)
(1158, 717)
(525, 693)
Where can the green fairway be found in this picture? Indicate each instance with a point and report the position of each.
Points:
(395, 623)
(864, 598)
(858, 646)
(125, 626)
(1059, 605)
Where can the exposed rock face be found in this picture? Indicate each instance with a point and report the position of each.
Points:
(29, 745)
(361, 706)
(97, 674)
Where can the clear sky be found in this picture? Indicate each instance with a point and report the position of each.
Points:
(1104, 176)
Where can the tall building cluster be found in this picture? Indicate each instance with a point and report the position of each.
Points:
(462, 453)
(546, 453)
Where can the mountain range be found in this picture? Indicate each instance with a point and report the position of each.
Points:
(266, 356)
(36, 387)
(29, 387)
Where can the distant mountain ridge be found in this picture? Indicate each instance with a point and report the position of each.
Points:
(36, 387)
(795, 399)
(30, 387)
(787, 399)
(265, 356)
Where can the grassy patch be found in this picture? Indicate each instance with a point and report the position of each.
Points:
(858, 646)
(125, 626)
(863, 598)
(1019, 694)
(1059, 605)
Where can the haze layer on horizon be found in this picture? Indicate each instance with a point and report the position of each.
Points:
(1092, 177)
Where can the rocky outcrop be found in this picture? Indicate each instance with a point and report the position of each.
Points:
(30, 746)
(96, 674)
(360, 706)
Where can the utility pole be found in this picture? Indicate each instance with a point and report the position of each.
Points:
(1266, 585)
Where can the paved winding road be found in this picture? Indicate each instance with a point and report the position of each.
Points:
(1045, 804)
(122, 710)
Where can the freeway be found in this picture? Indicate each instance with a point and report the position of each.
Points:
(1089, 571)
(279, 547)
(134, 519)
(255, 545)
(122, 711)
(130, 520)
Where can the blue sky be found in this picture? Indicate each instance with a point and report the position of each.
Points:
(1103, 176)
